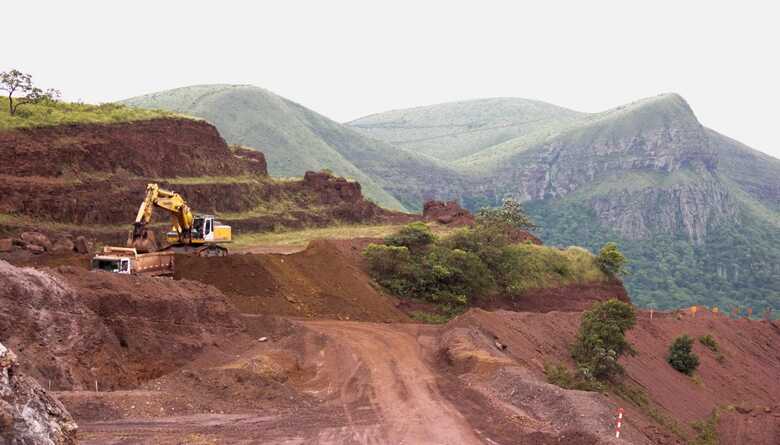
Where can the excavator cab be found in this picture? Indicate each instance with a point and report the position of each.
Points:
(205, 229)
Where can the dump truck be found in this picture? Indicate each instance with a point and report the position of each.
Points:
(194, 234)
(126, 260)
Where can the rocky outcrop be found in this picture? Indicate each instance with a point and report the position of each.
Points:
(659, 134)
(689, 209)
(447, 213)
(28, 414)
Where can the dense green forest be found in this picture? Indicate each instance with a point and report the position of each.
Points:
(735, 267)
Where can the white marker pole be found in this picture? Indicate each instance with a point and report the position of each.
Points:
(619, 422)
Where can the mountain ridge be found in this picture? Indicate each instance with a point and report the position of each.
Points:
(695, 210)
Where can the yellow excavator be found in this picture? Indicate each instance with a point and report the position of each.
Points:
(196, 234)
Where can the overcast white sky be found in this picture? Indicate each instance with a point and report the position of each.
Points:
(346, 59)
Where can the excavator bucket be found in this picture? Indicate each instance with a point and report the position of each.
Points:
(142, 239)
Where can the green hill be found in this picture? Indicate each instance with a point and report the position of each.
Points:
(456, 130)
(698, 213)
(295, 139)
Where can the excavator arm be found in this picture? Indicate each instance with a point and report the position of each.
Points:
(173, 203)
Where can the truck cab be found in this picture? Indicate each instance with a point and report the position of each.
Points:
(112, 264)
(125, 260)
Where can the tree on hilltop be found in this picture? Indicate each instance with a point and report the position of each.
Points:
(21, 90)
(510, 214)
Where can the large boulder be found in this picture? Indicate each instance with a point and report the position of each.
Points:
(34, 248)
(63, 245)
(29, 414)
(82, 245)
(37, 239)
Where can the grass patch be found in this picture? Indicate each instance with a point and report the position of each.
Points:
(430, 317)
(707, 430)
(26, 222)
(539, 267)
(709, 342)
(63, 113)
(303, 236)
(198, 180)
(638, 397)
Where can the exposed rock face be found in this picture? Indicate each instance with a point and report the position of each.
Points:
(170, 148)
(72, 327)
(333, 189)
(28, 414)
(660, 135)
(688, 209)
(97, 174)
(448, 213)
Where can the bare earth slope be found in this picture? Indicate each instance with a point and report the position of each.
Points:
(90, 179)
(177, 362)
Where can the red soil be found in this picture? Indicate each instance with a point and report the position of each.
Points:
(97, 174)
(323, 281)
(572, 298)
(747, 376)
(158, 148)
(71, 327)
(447, 213)
(191, 369)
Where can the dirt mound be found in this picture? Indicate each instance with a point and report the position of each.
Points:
(323, 281)
(572, 298)
(73, 327)
(28, 414)
(447, 213)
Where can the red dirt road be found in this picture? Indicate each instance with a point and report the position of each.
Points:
(404, 394)
(375, 382)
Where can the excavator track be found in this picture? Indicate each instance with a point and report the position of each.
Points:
(199, 250)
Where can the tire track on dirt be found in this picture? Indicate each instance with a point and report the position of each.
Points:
(404, 392)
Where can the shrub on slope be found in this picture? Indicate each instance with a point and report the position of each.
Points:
(473, 262)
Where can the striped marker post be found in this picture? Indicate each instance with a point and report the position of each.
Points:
(619, 422)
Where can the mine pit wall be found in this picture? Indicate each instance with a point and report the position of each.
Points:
(157, 148)
(96, 175)
(72, 327)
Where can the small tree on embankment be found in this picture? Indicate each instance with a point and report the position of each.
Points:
(601, 340)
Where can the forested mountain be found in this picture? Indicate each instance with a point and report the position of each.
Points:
(696, 212)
